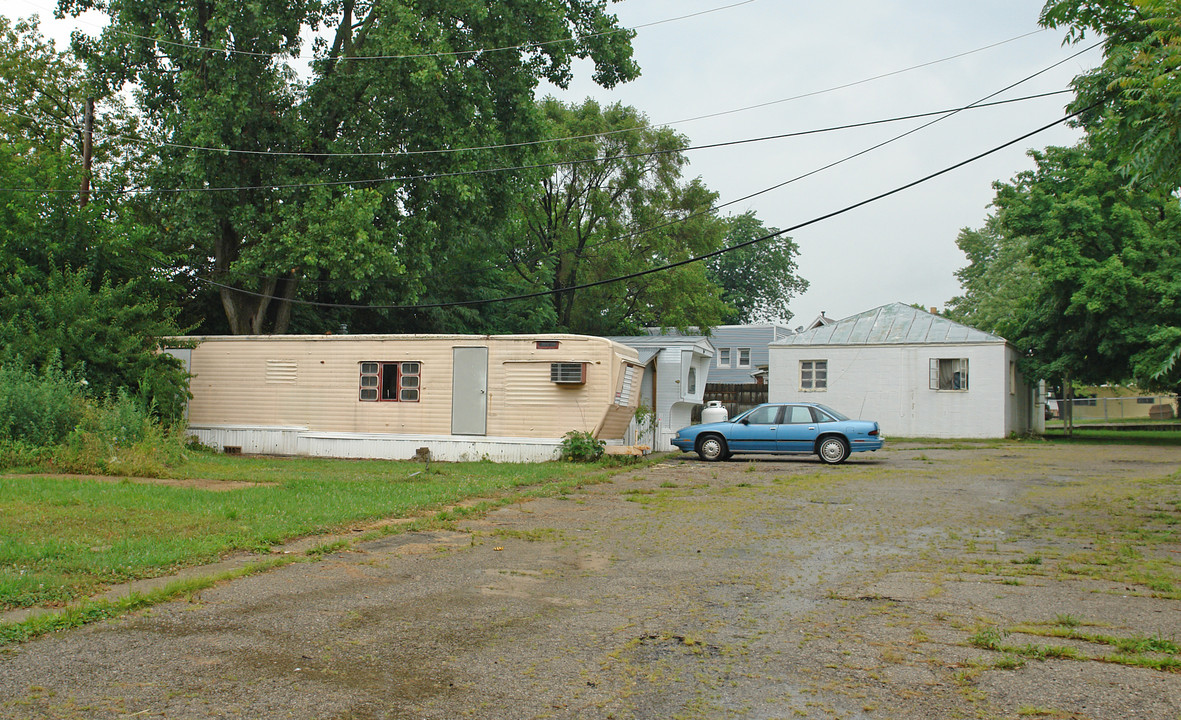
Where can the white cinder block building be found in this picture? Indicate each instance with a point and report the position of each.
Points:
(918, 374)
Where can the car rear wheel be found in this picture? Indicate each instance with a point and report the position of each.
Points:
(833, 450)
(712, 448)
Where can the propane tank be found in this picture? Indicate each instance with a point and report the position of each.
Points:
(714, 411)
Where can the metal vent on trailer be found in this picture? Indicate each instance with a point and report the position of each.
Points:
(567, 373)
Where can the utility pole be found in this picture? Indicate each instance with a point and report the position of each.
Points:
(87, 142)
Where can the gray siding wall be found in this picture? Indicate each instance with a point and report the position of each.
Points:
(736, 337)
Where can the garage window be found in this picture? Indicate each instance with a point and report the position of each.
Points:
(813, 374)
(949, 374)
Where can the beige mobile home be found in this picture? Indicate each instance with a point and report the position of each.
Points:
(463, 397)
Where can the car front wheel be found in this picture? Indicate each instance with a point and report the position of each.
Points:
(833, 450)
(712, 448)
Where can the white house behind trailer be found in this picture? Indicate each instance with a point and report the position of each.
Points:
(676, 368)
(918, 374)
(739, 350)
(462, 397)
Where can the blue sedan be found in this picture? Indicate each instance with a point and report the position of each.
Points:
(783, 428)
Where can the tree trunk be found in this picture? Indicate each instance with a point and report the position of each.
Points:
(283, 306)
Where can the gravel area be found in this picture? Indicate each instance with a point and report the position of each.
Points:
(768, 588)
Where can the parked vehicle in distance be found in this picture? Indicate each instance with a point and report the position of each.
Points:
(783, 428)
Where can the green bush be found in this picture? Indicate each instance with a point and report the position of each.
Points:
(37, 409)
(581, 447)
(119, 437)
(101, 332)
(47, 422)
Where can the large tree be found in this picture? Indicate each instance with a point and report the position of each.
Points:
(377, 187)
(759, 280)
(43, 222)
(616, 205)
(999, 283)
(1082, 272)
(80, 285)
(1135, 94)
(1133, 106)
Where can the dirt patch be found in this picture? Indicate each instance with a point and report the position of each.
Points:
(194, 483)
(983, 581)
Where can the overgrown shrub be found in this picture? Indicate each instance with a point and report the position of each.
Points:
(119, 437)
(106, 333)
(47, 421)
(37, 409)
(580, 446)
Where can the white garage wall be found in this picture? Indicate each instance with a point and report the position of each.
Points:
(890, 384)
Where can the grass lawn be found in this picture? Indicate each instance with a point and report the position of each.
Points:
(1116, 437)
(65, 538)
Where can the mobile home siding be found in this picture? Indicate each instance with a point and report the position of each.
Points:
(292, 388)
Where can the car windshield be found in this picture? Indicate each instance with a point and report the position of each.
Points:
(829, 411)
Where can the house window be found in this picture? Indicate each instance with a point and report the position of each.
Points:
(390, 381)
(692, 381)
(949, 374)
(1012, 377)
(743, 357)
(723, 357)
(568, 373)
(813, 374)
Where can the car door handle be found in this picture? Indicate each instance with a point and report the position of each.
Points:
(811, 427)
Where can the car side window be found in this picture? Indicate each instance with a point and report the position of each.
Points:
(821, 416)
(799, 414)
(764, 416)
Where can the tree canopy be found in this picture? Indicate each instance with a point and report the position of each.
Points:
(83, 289)
(353, 184)
(616, 204)
(1082, 272)
(759, 280)
(1132, 105)
(1135, 94)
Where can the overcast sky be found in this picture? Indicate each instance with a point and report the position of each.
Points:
(898, 249)
(761, 52)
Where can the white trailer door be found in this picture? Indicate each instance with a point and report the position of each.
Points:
(469, 391)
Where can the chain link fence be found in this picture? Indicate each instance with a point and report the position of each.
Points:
(1148, 408)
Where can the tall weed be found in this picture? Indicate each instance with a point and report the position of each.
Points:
(37, 409)
(118, 437)
(46, 422)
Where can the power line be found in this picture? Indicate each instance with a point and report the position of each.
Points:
(558, 163)
(978, 104)
(401, 153)
(672, 265)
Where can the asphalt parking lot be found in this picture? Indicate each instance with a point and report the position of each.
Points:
(980, 580)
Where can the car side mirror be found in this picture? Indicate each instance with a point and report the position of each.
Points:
(744, 421)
